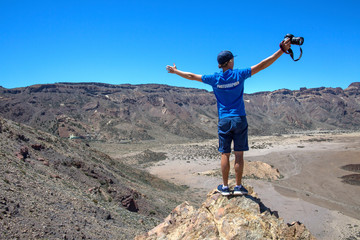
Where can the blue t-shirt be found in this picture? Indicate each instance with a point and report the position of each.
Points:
(229, 90)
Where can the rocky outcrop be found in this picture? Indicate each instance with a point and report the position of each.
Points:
(219, 217)
(255, 170)
(353, 89)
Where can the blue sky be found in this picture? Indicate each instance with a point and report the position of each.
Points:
(120, 42)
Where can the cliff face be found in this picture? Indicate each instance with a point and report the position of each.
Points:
(284, 111)
(118, 113)
(219, 217)
(113, 112)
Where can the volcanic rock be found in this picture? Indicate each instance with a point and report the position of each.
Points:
(219, 217)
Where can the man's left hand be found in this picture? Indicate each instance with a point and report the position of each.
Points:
(286, 45)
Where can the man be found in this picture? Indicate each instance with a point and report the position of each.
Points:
(228, 86)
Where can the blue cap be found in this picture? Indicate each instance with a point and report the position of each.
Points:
(224, 56)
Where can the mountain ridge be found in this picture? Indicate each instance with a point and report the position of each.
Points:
(106, 112)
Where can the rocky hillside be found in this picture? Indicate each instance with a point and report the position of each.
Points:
(219, 217)
(54, 188)
(123, 113)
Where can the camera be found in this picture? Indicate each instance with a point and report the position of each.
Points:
(294, 40)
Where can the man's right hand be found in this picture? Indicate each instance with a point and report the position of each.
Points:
(171, 69)
(187, 75)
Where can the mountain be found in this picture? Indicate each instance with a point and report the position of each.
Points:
(286, 111)
(113, 112)
(54, 188)
(233, 217)
(125, 113)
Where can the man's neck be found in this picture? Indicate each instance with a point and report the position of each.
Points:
(226, 68)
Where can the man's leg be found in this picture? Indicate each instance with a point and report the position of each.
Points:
(225, 167)
(225, 140)
(239, 166)
(240, 145)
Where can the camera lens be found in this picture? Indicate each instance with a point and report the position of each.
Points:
(297, 40)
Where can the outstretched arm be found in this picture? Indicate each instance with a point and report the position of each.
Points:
(270, 60)
(187, 75)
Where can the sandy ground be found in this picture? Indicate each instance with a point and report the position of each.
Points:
(311, 190)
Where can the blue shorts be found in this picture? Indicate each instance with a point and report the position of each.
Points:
(233, 129)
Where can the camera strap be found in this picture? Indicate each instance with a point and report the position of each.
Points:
(290, 51)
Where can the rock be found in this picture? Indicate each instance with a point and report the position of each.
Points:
(23, 153)
(256, 170)
(55, 176)
(219, 217)
(129, 203)
(21, 137)
(37, 147)
(260, 170)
